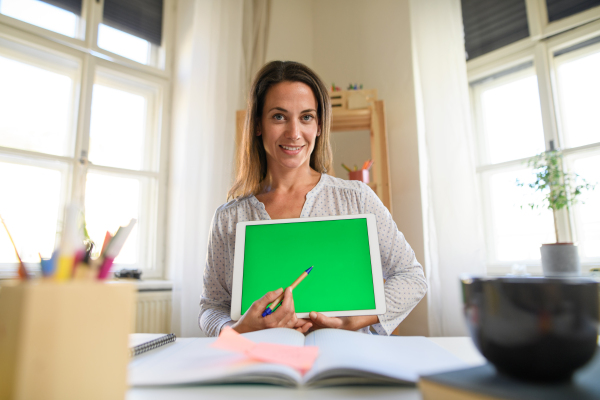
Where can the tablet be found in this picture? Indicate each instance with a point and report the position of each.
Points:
(346, 278)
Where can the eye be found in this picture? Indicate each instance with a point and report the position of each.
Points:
(278, 117)
(308, 117)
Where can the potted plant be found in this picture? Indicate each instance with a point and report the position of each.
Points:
(560, 189)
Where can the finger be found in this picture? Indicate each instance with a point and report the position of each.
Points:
(301, 321)
(304, 328)
(284, 315)
(288, 302)
(287, 307)
(325, 322)
(269, 297)
(288, 299)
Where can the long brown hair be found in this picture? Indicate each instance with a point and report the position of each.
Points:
(252, 159)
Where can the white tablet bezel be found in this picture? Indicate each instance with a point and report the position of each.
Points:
(238, 266)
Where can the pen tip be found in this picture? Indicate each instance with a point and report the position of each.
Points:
(308, 270)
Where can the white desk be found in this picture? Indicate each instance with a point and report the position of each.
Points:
(462, 347)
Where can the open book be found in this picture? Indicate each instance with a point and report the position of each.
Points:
(344, 358)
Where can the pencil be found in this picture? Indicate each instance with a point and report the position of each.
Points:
(23, 274)
(278, 300)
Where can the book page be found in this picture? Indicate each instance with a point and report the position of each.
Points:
(286, 336)
(375, 358)
(192, 360)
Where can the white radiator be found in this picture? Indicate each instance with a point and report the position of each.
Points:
(153, 312)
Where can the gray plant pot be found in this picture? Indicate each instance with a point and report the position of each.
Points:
(560, 260)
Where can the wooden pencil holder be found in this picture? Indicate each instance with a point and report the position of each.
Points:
(360, 175)
(65, 340)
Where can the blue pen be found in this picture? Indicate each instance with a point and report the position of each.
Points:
(278, 300)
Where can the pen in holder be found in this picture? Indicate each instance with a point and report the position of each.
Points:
(360, 175)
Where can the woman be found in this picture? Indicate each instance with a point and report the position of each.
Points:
(284, 156)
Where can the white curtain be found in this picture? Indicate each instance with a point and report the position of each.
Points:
(254, 38)
(454, 242)
(207, 91)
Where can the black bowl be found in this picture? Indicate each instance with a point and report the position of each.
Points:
(535, 329)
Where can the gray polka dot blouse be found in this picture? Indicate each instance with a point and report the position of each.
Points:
(405, 283)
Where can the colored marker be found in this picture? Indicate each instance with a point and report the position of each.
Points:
(278, 300)
(114, 247)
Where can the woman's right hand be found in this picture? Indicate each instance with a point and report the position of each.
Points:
(283, 317)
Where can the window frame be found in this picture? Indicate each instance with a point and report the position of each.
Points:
(91, 59)
(87, 38)
(545, 39)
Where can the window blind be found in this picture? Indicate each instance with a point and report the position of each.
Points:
(503, 73)
(577, 46)
(558, 9)
(141, 18)
(73, 6)
(492, 24)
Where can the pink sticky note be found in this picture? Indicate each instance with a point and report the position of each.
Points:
(301, 358)
(232, 341)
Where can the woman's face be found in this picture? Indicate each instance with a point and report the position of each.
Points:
(289, 125)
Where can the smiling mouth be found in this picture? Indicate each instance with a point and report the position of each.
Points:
(291, 148)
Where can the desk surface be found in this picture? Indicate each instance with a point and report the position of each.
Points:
(462, 347)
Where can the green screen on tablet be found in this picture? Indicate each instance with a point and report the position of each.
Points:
(342, 278)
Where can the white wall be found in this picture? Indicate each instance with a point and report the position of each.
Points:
(291, 31)
(351, 148)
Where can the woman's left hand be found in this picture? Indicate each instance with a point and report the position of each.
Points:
(354, 323)
(303, 325)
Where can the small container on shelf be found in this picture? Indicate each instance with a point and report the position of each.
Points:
(359, 175)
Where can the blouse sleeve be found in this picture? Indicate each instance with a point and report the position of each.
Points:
(215, 302)
(405, 283)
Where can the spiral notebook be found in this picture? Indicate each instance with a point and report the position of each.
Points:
(142, 342)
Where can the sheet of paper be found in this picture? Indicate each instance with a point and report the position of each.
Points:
(232, 341)
(299, 357)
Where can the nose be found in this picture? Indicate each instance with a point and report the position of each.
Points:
(293, 133)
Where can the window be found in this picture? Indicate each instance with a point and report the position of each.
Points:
(528, 96)
(138, 38)
(83, 121)
(44, 15)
